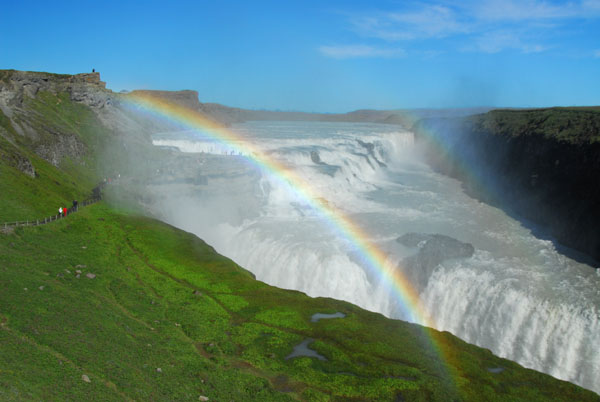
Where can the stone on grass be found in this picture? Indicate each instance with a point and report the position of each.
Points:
(78, 271)
(81, 266)
(41, 287)
(203, 398)
(77, 276)
(85, 378)
(159, 370)
(90, 275)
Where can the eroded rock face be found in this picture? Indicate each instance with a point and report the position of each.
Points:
(433, 249)
(64, 145)
(16, 85)
(50, 143)
(20, 162)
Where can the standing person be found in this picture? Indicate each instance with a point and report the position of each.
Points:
(65, 211)
(60, 211)
(75, 204)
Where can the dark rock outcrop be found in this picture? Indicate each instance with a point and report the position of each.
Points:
(541, 166)
(433, 250)
(17, 160)
(16, 85)
(315, 157)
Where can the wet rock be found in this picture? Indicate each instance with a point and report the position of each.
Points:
(433, 249)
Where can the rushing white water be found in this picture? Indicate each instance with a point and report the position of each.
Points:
(515, 295)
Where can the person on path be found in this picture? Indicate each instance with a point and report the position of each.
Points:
(65, 211)
(75, 205)
(60, 211)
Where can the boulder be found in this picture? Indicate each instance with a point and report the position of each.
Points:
(433, 249)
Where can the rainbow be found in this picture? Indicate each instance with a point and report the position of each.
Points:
(372, 257)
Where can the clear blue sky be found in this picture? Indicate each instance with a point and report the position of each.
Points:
(327, 56)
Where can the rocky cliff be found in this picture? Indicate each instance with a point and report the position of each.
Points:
(540, 165)
(15, 86)
(24, 99)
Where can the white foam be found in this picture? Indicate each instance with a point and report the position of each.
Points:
(516, 296)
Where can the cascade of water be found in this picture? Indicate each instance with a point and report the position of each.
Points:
(516, 295)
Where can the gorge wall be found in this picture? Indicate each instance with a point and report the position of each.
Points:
(541, 165)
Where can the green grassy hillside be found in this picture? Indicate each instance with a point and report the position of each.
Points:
(148, 312)
(163, 299)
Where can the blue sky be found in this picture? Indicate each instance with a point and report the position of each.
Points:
(327, 56)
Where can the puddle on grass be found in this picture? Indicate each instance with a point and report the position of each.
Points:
(320, 316)
(495, 370)
(302, 349)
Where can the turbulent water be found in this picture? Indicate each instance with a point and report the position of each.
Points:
(511, 292)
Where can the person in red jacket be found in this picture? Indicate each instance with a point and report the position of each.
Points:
(65, 211)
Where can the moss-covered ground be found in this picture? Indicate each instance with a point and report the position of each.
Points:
(573, 125)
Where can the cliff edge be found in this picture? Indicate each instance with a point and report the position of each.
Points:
(540, 165)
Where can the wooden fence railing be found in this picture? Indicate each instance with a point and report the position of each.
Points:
(43, 221)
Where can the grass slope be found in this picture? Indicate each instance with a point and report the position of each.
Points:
(164, 299)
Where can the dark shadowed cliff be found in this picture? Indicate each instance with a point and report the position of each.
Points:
(541, 165)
